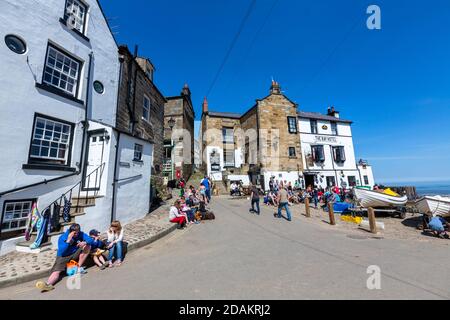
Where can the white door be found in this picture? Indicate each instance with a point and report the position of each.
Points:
(95, 159)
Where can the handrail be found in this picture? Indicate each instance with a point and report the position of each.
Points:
(69, 194)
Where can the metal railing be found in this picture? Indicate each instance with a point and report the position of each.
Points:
(81, 185)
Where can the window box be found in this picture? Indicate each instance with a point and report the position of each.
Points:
(31, 166)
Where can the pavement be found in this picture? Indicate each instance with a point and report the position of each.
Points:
(244, 256)
(17, 267)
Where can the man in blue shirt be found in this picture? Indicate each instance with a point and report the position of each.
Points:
(205, 182)
(72, 245)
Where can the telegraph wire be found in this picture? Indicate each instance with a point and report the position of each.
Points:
(233, 43)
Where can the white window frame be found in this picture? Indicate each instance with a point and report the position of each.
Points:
(316, 126)
(54, 139)
(138, 150)
(334, 128)
(64, 69)
(146, 109)
(17, 209)
(293, 129)
(72, 9)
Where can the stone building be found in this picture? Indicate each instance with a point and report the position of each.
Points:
(261, 143)
(179, 135)
(140, 109)
(274, 139)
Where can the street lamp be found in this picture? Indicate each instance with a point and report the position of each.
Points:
(171, 123)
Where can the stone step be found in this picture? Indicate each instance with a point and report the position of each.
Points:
(25, 247)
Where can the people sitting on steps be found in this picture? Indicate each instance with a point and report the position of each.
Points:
(72, 245)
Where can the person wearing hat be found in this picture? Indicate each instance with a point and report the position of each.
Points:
(97, 249)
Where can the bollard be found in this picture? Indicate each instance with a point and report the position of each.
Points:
(372, 220)
(307, 208)
(331, 213)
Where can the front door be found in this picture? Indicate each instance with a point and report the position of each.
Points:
(93, 169)
(309, 181)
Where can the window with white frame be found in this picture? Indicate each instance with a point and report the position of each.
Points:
(61, 71)
(334, 128)
(51, 141)
(292, 124)
(75, 14)
(313, 124)
(138, 149)
(15, 215)
(146, 109)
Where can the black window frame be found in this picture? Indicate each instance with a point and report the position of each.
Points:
(314, 153)
(366, 180)
(295, 152)
(141, 152)
(350, 184)
(294, 119)
(337, 156)
(46, 164)
(56, 90)
(11, 234)
(313, 124)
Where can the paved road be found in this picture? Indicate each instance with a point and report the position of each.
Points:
(243, 256)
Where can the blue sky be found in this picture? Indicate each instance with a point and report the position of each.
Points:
(394, 83)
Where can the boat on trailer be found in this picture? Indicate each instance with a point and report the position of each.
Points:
(434, 205)
(378, 199)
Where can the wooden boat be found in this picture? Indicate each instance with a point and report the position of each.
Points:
(434, 205)
(378, 199)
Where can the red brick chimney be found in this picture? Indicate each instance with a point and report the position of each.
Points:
(205, 105)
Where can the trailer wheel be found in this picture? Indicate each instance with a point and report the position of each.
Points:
(402, 213)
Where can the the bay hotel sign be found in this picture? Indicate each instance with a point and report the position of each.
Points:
(325, 139)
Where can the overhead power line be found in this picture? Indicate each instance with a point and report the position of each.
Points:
(233, 43)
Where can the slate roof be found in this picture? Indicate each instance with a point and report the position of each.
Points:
(320, 116)
(224, 115)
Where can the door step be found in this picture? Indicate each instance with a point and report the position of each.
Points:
(25, 247)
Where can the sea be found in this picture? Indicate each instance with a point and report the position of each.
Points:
(436, 188)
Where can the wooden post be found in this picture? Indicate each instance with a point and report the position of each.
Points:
(308, 213)
(331, 213)
(372, 221)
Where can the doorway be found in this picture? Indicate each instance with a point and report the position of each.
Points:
(309, 180)
(94, 159)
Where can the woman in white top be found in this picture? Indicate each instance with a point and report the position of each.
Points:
(115, 243)
(175, 215)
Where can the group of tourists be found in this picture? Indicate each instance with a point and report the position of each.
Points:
(190, 207)
(282, 194)
(75, 247)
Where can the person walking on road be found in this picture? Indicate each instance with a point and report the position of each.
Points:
(255, 199)
(283, 203)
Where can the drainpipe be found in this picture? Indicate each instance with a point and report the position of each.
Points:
(116, 160)
(86, 115)
(114, 184)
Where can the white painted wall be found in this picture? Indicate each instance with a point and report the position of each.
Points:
(37, 23)
(367, 171)
(133, 195)
(281, 176)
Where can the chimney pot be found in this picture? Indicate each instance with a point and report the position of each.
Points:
(205, 105)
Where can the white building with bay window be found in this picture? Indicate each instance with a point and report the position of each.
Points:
(328, 153)
(60, 71)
